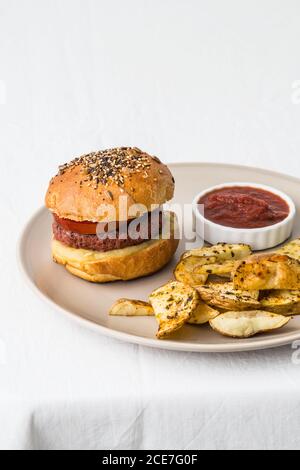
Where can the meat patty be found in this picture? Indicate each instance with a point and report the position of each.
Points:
(93, 242)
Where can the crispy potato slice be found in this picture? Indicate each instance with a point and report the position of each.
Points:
(173, 305)
(284, 302)
(267, 271)
(224, 270)
(225, 296)
(190, 272)
(291, 249)
(196, 265)
(202, 314)
(131, 308)
(219, 253)
(246, 324)
(184, 272)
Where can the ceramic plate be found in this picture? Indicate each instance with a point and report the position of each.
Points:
(89, 303)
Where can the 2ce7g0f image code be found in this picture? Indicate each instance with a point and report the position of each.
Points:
(168, 459)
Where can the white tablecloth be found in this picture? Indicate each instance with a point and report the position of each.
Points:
(186, 80)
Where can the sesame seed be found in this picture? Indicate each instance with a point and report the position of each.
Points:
(108, 166)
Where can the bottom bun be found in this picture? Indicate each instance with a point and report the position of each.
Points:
(124, 264)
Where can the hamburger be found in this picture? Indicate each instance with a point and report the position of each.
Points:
(108, 219)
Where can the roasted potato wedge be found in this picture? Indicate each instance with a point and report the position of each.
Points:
(131, 308)
(246, 324)
(291, 249)
(196, 265)
(184, 272)
(173, 305)
(224, 270)
(267, 271)
(225, 296)
(283, 302)
(219, 253)
(202, 314)
(189, 271)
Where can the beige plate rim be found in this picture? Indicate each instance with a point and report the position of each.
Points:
(236, 346)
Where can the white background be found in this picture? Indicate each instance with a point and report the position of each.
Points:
(186, 80)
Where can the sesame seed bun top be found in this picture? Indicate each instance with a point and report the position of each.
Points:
(83, 185)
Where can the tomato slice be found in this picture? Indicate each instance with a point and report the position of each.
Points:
(90, 228)
(85, 228)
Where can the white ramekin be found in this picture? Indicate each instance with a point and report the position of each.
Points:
(258, 238)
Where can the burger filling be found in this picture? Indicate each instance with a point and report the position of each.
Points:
(93, 236)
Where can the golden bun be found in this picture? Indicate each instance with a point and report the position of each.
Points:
(124, 264)
(92, 180)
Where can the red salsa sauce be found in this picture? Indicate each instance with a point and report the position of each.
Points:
(244, 207)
